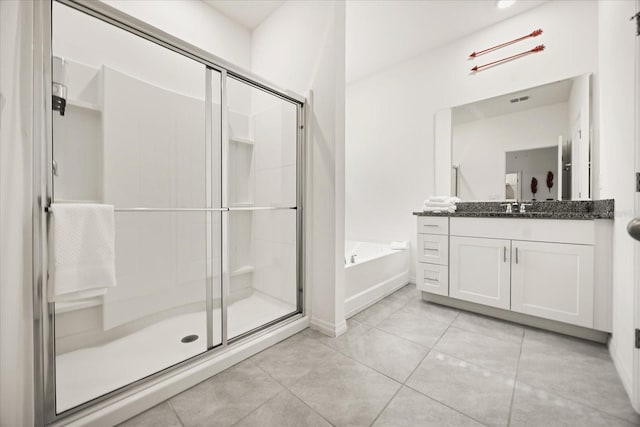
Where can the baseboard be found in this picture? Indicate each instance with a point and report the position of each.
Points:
(328, 328)
(146, 396)
(523, 319)
(625, 376)
(372, 295)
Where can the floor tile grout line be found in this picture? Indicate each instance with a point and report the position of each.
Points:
(562, 396)
(404, 384)
(575, 402)
(175, 412)
(284, 386)
(454, 357)
(386, 405)
(515, 380)
(260, 406)
(444, 404)
(390, 314)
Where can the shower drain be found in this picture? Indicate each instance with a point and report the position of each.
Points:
(189, 338)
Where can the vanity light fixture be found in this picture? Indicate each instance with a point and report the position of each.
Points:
(503, 4)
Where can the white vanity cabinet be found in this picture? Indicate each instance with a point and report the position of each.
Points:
(432, 269)
(480, 270)
(558, 270)
(554, 281)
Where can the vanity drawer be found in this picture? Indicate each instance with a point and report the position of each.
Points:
(432, 278)
(433, 225)
(433, 248)
(581, 232)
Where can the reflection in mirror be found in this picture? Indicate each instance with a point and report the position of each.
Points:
(512, 186)
(529, 145)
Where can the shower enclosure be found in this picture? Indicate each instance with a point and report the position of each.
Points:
(203, 165)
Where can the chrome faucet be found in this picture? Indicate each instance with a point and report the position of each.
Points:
(353, 258)
(508, 206)
(523, 207)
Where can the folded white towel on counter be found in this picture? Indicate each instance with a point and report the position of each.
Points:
(440, 204)
(399, 245)
(442, 199)
(450, 208)
(81, 251)
(428, 204)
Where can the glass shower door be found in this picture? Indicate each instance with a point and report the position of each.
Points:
(261, 273)
(140, 130)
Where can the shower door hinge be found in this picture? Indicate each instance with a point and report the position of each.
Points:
(637, 338)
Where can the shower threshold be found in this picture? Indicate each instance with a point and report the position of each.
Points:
(85, 374)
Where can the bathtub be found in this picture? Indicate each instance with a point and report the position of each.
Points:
(376, 271)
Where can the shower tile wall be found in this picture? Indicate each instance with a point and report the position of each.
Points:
(154, 157)
(275, 231)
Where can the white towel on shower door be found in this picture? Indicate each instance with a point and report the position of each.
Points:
(82, 251)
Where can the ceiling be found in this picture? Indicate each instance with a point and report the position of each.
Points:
(248, 13)
(381, 33)
(385, 32)
(540, 96)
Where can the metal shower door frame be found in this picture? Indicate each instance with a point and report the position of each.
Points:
(44, 316)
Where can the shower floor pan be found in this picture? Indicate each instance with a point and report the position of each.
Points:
(86, 374)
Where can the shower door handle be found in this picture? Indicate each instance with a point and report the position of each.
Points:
(633, 228)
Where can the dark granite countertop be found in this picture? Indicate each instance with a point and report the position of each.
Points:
(587, 209)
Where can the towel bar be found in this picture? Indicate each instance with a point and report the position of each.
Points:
(48, 209)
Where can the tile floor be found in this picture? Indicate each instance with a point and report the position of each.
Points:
(405, 362)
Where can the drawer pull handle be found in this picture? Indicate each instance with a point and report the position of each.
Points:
(504, 255)
(426, 279)
(516, 255)
(430, 225)
(431, 249)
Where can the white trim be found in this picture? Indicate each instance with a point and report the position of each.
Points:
(375, 293)
(634, 390)
(625, 376)
(328, 328)
(123, 409)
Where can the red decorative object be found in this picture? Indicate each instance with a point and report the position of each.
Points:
(534, 187)
(549, 180)
(535, 33)
(538, 48)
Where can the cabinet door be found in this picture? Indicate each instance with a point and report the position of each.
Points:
(554, 281)
(432, 278)
(480, 270)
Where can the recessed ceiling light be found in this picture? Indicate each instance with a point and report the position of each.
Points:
(503, 4)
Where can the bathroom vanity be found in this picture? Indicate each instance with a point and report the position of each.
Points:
(552, 263)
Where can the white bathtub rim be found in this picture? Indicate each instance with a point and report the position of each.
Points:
(373, 294)
(384, 254)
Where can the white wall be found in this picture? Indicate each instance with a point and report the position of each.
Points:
(390, 115)
(479, 148)
(301, 47)
(617, 82)
(580, 136)
(195, 22)
(16, 338)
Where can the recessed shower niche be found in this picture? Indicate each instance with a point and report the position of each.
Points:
(201, 168)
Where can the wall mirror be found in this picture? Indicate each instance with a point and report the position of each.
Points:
(534, 144)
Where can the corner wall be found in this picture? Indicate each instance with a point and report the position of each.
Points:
(301, 47)
(16, 121)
